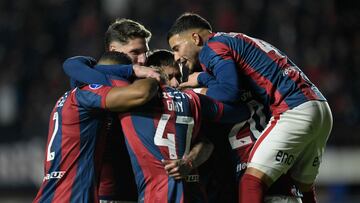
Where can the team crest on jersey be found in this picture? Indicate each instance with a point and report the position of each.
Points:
(95, 86)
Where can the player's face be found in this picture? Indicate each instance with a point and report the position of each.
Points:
(136, 49)
(185, 50)
(173, 74)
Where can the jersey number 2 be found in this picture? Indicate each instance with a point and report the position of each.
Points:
(50, 154)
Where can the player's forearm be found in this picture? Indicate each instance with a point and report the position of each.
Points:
(124, 98)
(224, 92)
(199, 153)
(224, 85)
(120, 70)
(221, 90)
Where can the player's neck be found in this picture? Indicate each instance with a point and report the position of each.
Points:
(205, 34)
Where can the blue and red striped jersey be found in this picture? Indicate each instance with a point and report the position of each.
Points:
(233, 59)
(73, 149)
(117, 181)
(166, 128)
(162, 129)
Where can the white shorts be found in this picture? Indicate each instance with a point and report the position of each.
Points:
(294, 140)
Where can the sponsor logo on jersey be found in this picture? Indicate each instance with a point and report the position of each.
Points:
(192, 178)
(54, 175)
(284, 157)
(241, 167)
(95, 86)
(62, 100)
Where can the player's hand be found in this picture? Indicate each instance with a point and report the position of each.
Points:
(177, 168)
(146, 72)
(191, 82)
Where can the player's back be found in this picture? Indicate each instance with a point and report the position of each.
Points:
(270, 73)
(73, 147)
(163, 129)
(117, 183)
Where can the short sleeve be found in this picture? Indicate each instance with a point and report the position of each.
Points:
(92, 96)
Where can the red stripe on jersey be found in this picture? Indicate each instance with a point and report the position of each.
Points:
(70, 151)
(263, 136)
(279, 105)
(119, 83)
(222, 50)
(150, 166)
(304, 87)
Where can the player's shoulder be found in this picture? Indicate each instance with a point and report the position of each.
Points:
(91, 91)
(118, 81)
(225, 36)
(89, 87)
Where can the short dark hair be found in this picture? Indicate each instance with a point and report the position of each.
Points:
(161, 57)
(124, 29)
(114, 57)
(186, 22)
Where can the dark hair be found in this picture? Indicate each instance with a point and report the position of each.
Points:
(186, 22)
(161, 57)
(124, 29)
(114, 57)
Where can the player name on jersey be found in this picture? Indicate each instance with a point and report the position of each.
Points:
(174, 105)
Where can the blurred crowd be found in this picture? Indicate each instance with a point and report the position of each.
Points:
(322, 37)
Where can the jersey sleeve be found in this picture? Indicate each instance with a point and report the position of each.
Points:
(205, 79)
(216, 111)
(216, 58)
(80, 70)
(92, 96)
(119, 70)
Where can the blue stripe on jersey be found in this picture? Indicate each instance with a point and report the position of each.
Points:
(145, 129)
(88, 99)
(50, 187)
(85, 167)
(139, 175)
(175, 190)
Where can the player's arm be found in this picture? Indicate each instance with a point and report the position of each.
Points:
(199, 153)
(216, 111)
(138, 93)
(80, 69)
(225, 86)
(224, 83)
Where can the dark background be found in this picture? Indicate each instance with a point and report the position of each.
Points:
(322, 37)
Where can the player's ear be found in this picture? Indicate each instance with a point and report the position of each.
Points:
(196, 39)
